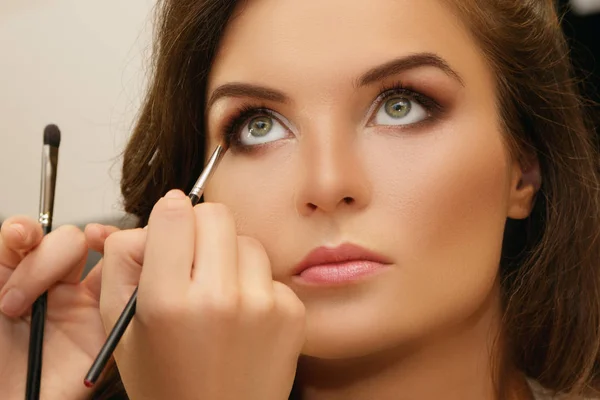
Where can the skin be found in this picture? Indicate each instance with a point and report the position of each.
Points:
(432, 197)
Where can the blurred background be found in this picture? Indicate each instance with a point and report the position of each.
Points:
(82, 65)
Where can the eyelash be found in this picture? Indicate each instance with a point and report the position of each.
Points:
(245, 113)
(398, 88)
(237, 121)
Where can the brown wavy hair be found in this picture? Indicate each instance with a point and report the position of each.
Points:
(549, 268)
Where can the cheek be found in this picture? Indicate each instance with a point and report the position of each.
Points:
(257, 189)
(451, 186)
(444, 195)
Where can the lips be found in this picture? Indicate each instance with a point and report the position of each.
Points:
(338, 255)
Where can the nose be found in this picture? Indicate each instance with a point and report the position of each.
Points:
(332, 176)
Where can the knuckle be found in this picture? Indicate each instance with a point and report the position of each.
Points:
(153, 309)
(126, 246)
(295, 312)
(288, 303)
(259, 306)
(124, 254)
(119, 245)
(70, 230)
(223, 308)
(114, 244)
(250, 244)
(74, 236)
(250, 248)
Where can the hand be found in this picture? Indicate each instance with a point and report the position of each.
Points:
(210, 321)
(31, 264)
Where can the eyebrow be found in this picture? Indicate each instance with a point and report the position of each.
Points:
(407, 63)
(237, 89)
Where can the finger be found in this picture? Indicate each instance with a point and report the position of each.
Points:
(254, 268)
(290, 305)
(93, 280)
(18, 235)
(96, 235)
(61, 252)
(5, 273)
(215, 259)
(169, 248)
(118, 273)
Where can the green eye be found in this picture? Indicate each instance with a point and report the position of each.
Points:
(398, 107)
(260, 126)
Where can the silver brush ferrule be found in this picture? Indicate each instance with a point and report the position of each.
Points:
(48, 184)
(209, 169)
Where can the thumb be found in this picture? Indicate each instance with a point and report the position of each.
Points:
(120, 273)
(18, 236)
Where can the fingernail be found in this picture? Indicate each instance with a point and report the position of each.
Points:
(19, 230)
(12, 302)
(175, 194)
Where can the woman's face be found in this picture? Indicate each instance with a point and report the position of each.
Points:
(371, 123)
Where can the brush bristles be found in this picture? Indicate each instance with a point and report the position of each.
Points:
(52, 135)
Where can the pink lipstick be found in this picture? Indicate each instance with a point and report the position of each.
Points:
(338, 265)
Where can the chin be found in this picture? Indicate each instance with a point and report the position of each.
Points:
(385, 316)
(334, 338)
(356, 334)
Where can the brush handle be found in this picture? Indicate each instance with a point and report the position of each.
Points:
(36, 342)
(112, 341)
(117, 331)
(126, 316)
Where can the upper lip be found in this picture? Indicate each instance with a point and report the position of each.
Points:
(343, 253)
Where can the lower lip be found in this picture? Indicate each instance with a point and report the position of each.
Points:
(340, 272)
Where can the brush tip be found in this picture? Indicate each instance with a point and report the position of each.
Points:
(88, 383)
(52, 135)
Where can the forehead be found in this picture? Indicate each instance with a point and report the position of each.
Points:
(323, 41)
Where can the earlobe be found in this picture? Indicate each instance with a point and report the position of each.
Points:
(526, 182)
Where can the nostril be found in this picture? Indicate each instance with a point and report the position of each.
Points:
(348, 200)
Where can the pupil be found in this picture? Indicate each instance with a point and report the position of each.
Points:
(398, 107)
(260, 126)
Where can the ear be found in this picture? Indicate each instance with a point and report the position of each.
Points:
(526, 180)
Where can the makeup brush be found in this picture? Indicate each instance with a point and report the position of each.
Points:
(38, 312)
(129, 311)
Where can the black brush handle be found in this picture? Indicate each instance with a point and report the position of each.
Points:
(112, 341)
(118, 330)
(36, 342)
